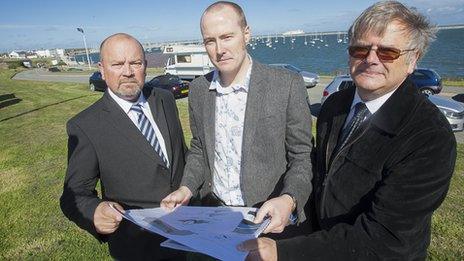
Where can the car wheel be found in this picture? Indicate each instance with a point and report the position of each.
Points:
(92, 87)
(427, 91)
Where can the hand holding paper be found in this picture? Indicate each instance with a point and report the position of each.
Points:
(105, 219)
(279, 209)
(180, 197)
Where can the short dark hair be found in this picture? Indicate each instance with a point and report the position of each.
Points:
(122, 35)
(238, 10)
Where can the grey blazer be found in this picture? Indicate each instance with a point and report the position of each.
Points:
(276, 137)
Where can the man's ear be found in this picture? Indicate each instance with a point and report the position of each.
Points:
(413, 62)
(100, 67)
(247, 33)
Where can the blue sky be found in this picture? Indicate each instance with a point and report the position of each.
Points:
(52, 23)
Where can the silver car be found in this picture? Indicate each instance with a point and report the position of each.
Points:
(310, 79)
(453, 110)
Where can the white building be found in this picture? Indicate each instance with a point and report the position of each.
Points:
(43, 53)
(13, 54)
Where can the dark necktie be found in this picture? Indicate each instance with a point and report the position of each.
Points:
(147, 130)
(360, 114)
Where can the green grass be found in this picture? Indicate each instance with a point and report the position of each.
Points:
(33, 163)
(456, 83)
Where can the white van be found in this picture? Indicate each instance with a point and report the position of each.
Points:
(187, 61)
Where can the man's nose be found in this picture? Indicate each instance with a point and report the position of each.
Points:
(219, 48)
(372, 56)
(127, 69)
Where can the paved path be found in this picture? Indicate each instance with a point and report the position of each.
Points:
(44, 75)
(315, 93)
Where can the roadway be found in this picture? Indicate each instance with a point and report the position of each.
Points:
(315, 93)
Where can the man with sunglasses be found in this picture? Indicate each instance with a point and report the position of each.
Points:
(384, 154)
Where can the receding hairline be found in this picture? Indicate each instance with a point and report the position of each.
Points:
(220, 5)
(119, 36)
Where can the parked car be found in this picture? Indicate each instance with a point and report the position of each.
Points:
(96, 83)
(453, 110)
(427, 80)
(310, 79)
(54, 69)
(170, 82)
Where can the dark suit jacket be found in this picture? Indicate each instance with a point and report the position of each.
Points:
(104, 145)
(276, 137)
(374, 198)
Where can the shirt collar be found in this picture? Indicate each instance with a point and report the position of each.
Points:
(127, 105)
(373, 105)
(216, 82)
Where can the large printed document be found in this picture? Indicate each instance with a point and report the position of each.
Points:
(214, 231)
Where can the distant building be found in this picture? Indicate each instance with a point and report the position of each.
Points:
(31, 55)
(43, 53)
(295, 32)
(14, 55)
(57, 52)
(17, 55)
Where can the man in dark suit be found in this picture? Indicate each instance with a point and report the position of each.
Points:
(384, 153)
(251, 128)
(131, 141)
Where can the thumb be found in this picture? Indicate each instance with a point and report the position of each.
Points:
(116, 211)
(261, 214)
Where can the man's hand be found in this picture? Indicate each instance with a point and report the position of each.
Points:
(180, 197)
(105, 219)
(279, 209)
(262, 248)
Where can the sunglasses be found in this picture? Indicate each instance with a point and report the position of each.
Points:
(384, 53)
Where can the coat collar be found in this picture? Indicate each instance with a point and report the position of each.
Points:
(391, 115)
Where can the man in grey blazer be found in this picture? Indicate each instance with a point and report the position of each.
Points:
(251, 128)
(105, 145)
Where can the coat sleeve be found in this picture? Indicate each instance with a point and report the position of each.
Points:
(397, 221)
(298, 143)
(195, 167)
(79, 199)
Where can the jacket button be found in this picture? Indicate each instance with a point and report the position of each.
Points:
(209, 184)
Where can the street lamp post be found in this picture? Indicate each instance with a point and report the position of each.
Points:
(85, 45)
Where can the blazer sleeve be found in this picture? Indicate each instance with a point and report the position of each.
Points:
(397, 221)
(79, 199)
(195, 166)
(298, 142)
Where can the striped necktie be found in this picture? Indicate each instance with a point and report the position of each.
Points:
(360, 114)
(147, 130)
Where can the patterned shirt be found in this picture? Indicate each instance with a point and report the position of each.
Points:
(229, 121)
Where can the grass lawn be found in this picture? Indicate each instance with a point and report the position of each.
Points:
(33, 162)
(456, 83)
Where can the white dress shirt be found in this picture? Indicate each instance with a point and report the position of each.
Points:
(126, 107)
(229, 121)
(372, 106)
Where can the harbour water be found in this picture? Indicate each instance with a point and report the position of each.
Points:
(329, 56)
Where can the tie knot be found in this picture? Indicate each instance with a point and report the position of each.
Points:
(361, 109)
(137, 108)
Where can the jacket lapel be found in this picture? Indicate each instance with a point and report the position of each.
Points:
(126, 127)
(159, 115)
(338, 121)
(255, 99)
(209, 116)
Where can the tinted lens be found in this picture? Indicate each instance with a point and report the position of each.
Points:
(388, 54)
(359, 52)
(384, 53)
